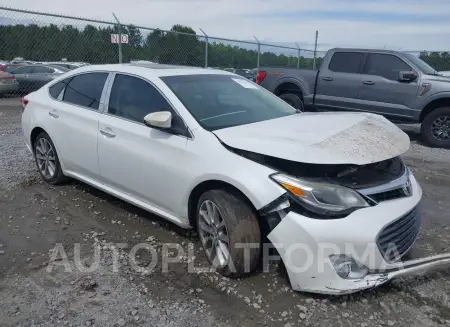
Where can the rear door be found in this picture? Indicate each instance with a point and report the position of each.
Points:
(74, 115)
(338, 84)
(381, 92)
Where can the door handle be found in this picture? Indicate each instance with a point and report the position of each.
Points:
(327, 78)
(53, 114)
(368, 83)
(108, 132)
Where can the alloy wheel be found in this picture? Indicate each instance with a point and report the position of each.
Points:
(441, 128)
(214, 234)
(45, 158)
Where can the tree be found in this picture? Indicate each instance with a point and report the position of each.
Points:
(179, 46)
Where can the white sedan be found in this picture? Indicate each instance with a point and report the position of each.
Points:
(210, 150)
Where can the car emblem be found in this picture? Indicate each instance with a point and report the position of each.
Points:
(407, 188)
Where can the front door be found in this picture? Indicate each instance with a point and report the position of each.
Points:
(381, 91)
(135, 159)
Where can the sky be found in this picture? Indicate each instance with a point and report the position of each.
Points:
(391, 24)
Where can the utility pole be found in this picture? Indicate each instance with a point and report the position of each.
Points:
(259, 52)
(315, 50)
(120, 38)
(206, 47)
(298, 55)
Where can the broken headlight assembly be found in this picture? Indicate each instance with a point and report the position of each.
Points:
(325, 200)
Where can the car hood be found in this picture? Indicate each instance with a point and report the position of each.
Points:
(321, 138)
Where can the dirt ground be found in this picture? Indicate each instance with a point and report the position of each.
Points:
(37, 288)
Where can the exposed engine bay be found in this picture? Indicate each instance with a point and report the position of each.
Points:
(353, 176)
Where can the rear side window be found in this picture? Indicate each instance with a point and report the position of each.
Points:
(86, 90)
(55, 90)
(346, 62)
(384, 65)
(10, 68)
(22, 70)
(133, 98)
(43, 70)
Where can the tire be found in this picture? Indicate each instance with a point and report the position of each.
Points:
(241, 227)
(428, 128)
(42, 153)
(292, 99)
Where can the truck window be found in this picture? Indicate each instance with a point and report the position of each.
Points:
(385, 65)
(346, 62)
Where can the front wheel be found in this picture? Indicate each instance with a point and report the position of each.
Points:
(435, 128)
(229, 232)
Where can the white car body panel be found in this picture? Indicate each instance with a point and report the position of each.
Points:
(158, 171)
(343, 138)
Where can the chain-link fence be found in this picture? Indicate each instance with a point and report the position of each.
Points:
(51, 44)
(36, 47)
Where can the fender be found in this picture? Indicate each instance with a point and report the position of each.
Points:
(436, 96)
(292, 80)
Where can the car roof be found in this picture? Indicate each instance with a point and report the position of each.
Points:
(154, 70)
(364, 50)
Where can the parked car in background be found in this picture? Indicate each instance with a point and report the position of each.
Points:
(230, 70)
(9, 67)
(397, 85)
(67, 65)
(33, 77)
(245, 73)
(8, 83)
(211, 150)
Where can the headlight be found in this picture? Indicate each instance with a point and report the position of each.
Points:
(322, 198)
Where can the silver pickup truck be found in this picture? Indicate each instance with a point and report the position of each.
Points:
(399, 86)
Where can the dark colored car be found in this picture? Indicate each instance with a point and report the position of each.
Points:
(9, 67)
(33, 77)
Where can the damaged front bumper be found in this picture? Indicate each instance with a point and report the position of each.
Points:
(405, 268)
(306, 245)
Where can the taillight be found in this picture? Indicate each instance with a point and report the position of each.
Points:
(24, 103)
(261, 76)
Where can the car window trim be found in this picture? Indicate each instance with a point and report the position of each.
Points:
(108, 97)
(70, 78)
(386, 54)
(360, 66)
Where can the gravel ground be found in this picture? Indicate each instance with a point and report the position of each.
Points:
(36, 289)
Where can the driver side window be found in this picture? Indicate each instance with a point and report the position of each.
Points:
(133, 98)
(385, 65)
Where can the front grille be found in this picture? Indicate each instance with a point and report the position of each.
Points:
(388, 195)
(396, 238)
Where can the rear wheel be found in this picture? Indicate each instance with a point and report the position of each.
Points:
(436, 128)
(293, 99)
(47, 160)
(226, 226)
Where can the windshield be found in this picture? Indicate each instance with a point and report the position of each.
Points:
(220, 101)
(422, 65)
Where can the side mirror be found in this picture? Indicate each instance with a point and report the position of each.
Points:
(407, 76)
(159, 119)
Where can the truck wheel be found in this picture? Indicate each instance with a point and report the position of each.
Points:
(293, 99)
(226, 225)
(436, 128)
